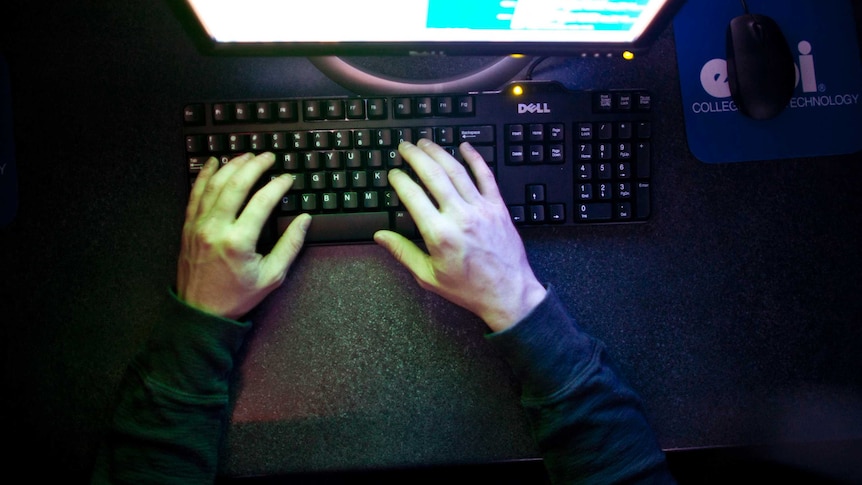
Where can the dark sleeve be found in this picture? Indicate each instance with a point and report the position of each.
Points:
(172, 403)
(589, 425)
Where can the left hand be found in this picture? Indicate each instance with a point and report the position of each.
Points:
(219, 270)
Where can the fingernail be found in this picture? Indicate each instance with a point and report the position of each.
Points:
(423, 142)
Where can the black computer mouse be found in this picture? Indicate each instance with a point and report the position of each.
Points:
(760, 67)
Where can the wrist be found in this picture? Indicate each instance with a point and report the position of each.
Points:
(521, 303)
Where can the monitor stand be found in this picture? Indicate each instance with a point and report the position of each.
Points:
(491, 74)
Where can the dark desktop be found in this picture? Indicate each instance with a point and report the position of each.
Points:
(701, 224)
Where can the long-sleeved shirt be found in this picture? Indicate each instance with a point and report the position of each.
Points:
(171, 413)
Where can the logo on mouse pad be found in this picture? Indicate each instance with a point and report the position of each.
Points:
(826, 105)
(713, 79)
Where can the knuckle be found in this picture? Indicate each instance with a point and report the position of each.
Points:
(235, 245)
(264, 198)
(205, 237)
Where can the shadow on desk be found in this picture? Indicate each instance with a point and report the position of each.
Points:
(826, 463)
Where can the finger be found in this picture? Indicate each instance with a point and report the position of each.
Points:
(236, 189)
(284, 253)
(430, 172)
(198, 187)
(258, 209)
(457, 173)
(216, 183)
(481, 171)
(409, 255)
(413, 197)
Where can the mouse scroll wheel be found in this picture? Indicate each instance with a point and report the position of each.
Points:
(757, 27)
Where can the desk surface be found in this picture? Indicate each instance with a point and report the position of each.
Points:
(735, 311)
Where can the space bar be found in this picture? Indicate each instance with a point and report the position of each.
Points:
(358, 226)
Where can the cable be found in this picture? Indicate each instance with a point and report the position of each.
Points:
(744, 6)
(532, 67)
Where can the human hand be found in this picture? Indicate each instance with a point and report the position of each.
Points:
(219, 270)
(475, 258)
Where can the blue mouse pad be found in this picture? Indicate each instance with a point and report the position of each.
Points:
(824, 116)
(8, 176)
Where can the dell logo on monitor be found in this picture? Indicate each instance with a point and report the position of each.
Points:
(533, 108)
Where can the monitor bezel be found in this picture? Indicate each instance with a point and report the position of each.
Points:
(209, 46)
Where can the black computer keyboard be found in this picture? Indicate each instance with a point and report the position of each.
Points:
(560, 157)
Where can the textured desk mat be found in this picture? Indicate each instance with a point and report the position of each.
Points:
(825, 113)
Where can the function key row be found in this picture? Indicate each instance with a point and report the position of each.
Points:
(330, 109)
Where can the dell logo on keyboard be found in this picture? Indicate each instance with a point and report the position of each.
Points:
(533, 108)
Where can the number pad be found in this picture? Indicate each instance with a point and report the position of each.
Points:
(612, 171)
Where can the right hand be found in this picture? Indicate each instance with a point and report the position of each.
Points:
(475, 258)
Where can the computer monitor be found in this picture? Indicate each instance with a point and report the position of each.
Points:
(328, 30)
(443, 27)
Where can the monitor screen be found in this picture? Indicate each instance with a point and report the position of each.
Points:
(454, 27)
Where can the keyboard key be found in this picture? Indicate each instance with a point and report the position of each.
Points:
(624, 211)
(515, 133)
(312, 110)
(356, 109)
(595, 212)
(334, 109)
(193, 114)
(536, 132)
(424, 106)
(287, 111)
(216, 143)
(643, 200)
(557, 212)
(518, 214)
(359, 226)
(623, 101)
(243, 112)
(402, 107)
(477, 135)
(222, 113)
(535, 193)
(537, 214)
(603, 102)
(403, 224)
(465, 105)
(556, 132)
(195, 143)
(443, 106)
(376, 109)
(237, 143)
(644, 101)
(643, 158)
(263, 111)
